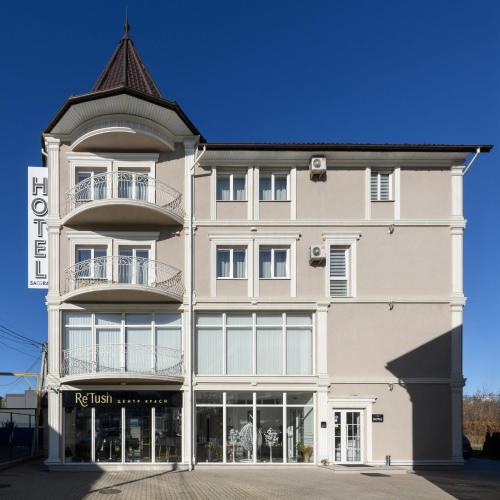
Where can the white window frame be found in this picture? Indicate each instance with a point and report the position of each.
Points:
(349, 241)
(273, 249)
(92, 248)
(273, 174)
(377, 172)
(231, 174)
(253, 326)
(231, 250)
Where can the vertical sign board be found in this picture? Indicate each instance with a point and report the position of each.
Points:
(38, 207)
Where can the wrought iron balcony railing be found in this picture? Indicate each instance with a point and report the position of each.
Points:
(127, 186)
(122, 358)
(112, 270)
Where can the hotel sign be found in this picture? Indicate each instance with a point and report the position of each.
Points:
(37, 227)
(98, 399)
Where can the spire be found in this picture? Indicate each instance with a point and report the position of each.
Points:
(126, 69)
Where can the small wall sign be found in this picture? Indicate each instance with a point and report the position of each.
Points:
(378, 417)
(323, 425)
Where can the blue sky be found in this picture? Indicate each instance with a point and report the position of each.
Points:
(361, 71)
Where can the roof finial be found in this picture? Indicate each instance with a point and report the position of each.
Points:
(126, 25)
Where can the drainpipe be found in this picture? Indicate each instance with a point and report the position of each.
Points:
(190, 297)
(478, 150)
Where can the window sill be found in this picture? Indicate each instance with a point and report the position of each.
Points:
(274, 201)
(382, 201)
(274, 279)
(231, 201)
(231, 279)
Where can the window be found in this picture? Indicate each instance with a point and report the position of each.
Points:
(273, 186)
(381, 186)
(273, 263)
(231, 263)
(134, 265)
(254, 344)
(108, 343)
(134, 184)
(90, 262)
(265, 427)
(338, 271)
(90, 185)
(231, 187)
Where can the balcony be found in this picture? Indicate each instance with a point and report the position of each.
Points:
(119, 361)
(123, 279)
(124, 198)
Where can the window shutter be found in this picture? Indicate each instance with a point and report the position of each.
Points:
(384, 186)
(338, 272)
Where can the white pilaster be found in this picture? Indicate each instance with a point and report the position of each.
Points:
(250, 193)
(368, 203)
(293, 193)
(457, 287)
(322, 416)
(457, 176)
(457, 382)
(55, 426)
(189, 164)
(322, 340)
(397, 193)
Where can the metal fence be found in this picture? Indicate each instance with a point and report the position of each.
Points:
(18, 434)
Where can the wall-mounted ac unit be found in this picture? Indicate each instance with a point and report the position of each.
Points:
(317, 253)
(317, 166)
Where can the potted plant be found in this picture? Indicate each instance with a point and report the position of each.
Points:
(306, 451)
(209, 446)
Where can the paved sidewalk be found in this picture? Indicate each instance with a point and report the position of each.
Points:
(31, 481)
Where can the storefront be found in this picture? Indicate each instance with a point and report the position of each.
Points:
(255, 427)
(122, 427)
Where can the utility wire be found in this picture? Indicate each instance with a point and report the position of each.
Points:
(18, 350)
(18, 335)
(7, 337)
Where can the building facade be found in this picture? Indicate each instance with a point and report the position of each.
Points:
(246, 303)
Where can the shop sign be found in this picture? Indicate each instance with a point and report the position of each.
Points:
(127, 399)
(38, 197)
(378, 417)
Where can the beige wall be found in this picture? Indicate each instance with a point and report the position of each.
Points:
(425, 194)
(371, 341)
(416, 422)
(338, 196)
(274, 210)
(232, 210)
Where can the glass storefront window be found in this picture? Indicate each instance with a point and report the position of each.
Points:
(239, 398)
(278, 429)
(270, 428)
(108, 434)
(168, 435)
(138, 434)
(239, 442)
(77, 434)
(300, 434)
(209, 434)
(207, 397)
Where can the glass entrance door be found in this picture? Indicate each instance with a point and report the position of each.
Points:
(347, 438)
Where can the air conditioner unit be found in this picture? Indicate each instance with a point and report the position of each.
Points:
(317, 166)
(317, 253)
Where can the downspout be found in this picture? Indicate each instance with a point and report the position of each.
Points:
(190, 300)
(478, 150)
